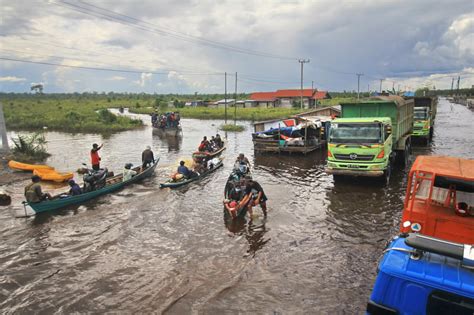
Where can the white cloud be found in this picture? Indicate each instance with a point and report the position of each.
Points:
(144, 77)
(116, 78)
(11, 79)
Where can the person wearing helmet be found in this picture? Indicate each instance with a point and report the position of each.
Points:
(33, 192)
(147, 157)
(95, 158)
(128, 173)
(75, 188)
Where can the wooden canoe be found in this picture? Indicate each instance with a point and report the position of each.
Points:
(173, 184)
(204, 154)
(28, 167)
(52, 175)
(169, 131)
(113, 184)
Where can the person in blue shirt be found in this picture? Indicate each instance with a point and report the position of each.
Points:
(186, 172)
(75, 188)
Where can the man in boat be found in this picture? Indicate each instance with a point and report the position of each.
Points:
(257, 195)
(128, 173)
(154, 119)
(204, 146)
(33, 192)
(242, 160)
(218, 141)
(147, 157)
(95, 158)
(75, 188)
(186, 172)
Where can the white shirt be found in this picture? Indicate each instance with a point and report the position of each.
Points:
(128, 174)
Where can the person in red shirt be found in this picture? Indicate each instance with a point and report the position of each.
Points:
(95, 158)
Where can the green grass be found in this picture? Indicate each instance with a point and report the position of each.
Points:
(69, 114)
(336, 101)
(254, 114)
(232, 128)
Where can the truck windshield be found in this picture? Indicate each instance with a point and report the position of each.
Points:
(355, 133)
(420, 114)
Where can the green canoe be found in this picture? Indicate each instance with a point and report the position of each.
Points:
(113, 184)
(172, 184)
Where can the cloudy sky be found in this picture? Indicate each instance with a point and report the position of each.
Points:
(185, 46)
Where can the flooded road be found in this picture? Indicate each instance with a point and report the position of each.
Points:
(149, 250)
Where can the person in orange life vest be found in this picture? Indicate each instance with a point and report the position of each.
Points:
(95, 158)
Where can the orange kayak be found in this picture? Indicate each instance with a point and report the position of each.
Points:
(27, 167)
(52, 175)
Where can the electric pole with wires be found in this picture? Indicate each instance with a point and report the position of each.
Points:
(302, 62)
(358, 84)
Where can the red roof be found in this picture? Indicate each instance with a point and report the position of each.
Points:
(263, 96)
(320, 95)
(294, 93)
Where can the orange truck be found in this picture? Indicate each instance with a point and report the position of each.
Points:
(439, 200)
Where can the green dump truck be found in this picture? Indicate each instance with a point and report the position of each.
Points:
(370, 135)
(424, 117)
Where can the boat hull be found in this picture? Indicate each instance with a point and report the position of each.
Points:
(174, 132)
(170, 184)
(50, 205)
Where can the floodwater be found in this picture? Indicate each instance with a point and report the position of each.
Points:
(146, 250)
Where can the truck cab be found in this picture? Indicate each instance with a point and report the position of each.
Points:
(439, 200)
(360, 146)
(424, 275)
(424, 116)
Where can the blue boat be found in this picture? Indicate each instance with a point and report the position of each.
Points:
(419, 274)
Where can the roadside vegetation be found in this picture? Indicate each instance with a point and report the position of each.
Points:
(232, 128)
(29, 148)
(70, 113)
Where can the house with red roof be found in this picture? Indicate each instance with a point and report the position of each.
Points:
(288, 98)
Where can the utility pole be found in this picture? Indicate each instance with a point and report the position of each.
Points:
(393, 87)
(3, 131)
(312, 86)
(459, 79)
(381, 80)
(235, 101)
(368, 89)
(358, 84)
(225, 96)
(452, 86)
(302, 62)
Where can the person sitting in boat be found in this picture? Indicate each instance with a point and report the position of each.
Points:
(75, 188)
(219, 141)
(257, 195)
(204, 146)
(212, 162)
(186, 172)
(33, 192)
(147, 157)
(128, 173)
(242, 160)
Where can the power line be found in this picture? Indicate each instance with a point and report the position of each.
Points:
(100, 69)
(139, 24)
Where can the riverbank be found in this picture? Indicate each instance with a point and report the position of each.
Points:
(74, 113)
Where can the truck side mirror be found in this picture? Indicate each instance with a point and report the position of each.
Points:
(389, 130)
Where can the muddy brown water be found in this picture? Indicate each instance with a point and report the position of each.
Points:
(145, 250)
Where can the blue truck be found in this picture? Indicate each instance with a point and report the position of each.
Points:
(420, 274)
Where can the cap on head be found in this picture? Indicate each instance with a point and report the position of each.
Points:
(148, 147)
(35, 178)
(181, 163)
(95, 145)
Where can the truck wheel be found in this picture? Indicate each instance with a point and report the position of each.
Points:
(431, 133)
(386, 175)
(403, 158)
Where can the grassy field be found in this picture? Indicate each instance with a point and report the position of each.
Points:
(71, 114)
(232, 128)
(254, 114)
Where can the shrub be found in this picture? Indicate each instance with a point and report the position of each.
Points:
(30, 147)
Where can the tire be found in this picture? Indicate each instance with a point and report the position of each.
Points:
(431, 133)
(386, 175)
(403, 158)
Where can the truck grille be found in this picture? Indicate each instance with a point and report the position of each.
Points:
(417, 127)
(354, 157)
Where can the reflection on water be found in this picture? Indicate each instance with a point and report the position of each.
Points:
(147, 250)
